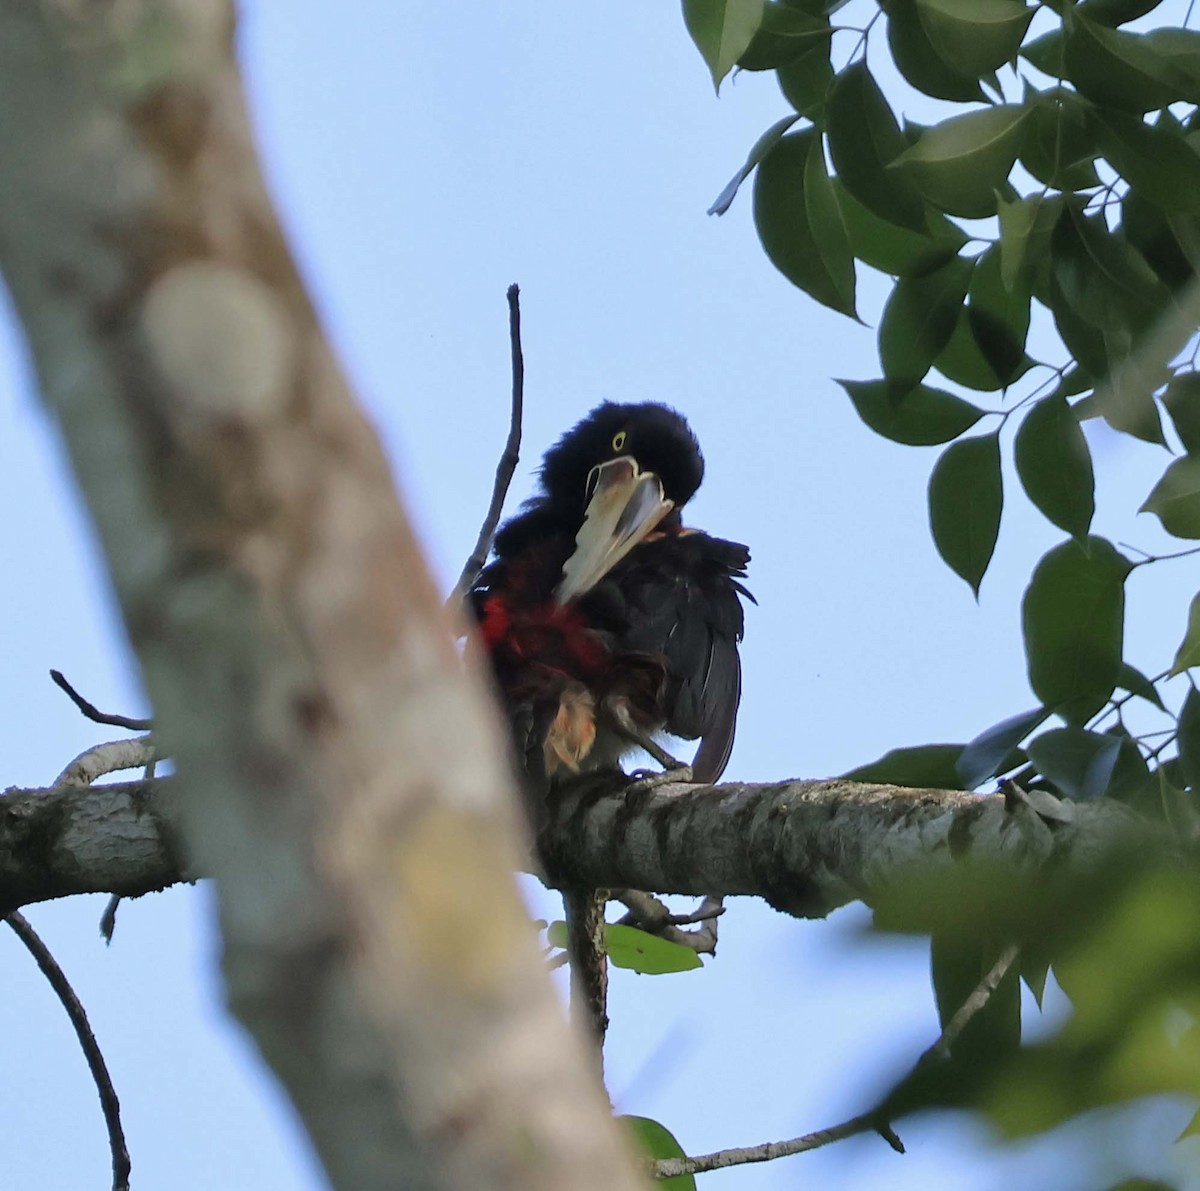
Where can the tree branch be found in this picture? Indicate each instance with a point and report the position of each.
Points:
(806, 846)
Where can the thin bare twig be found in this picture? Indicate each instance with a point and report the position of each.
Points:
(666, 1168)
(671, 1167)
(99, 717)
(109, 1103)
(508, 461)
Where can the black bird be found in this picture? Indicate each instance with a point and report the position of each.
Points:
(606, 620)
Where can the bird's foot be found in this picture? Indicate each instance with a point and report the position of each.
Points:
(651, 779)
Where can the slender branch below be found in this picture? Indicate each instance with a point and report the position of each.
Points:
(940, 1050)
(979, 997)
(109, 1104)
(667, 1168)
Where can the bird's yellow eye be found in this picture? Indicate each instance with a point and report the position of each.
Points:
(619, 440)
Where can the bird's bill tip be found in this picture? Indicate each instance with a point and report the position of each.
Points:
(625, 506)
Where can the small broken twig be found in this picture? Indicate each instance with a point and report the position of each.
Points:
(508, 460)
(109, 1103)
(648, 913)
(108, 920)
(99, 717)
(667, 1168)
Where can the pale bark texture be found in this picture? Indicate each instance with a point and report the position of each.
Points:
(339, 770)
(806, 846)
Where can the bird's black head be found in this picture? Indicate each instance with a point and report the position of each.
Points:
(656, 436)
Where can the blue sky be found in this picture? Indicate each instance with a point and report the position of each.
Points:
(424, 157)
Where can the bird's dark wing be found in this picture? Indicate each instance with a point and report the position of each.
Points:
(681, 599)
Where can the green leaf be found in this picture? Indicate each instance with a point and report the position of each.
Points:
(1060, 144)
(645, 953)
(1178, 806)
(762, 147)
(722, 31)
(1180, 48)
(960, 163)
(1073, 616)
(656, 1141)
(828, 227)
(1175, 499)
(917, 417)
(1188, 653)
(784, 35)
(1132, 782)
(977, 36)
(1154, 234)
(1084, 341)
(1152, 158)
(1035, 967)
(1182, 400)
(799, 222)
(1117, 12)
(965, 499)
(1055, 465)
(897, 250)
(1192, 1129)
(1047, 53)
(1079, 763)
(864, 139)
(919, 319)
(1136, 683)
(1188, 740)
(927, 766)
(1101, 282)
(987, 349)
(805, 82)
(920, 63)
(984, 756)
(1120, 70)
(1026, 226)
(1140, 420)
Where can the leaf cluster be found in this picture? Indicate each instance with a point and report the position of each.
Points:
(1061, 183)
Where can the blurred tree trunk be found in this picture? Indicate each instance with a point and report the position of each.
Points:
(340, 772)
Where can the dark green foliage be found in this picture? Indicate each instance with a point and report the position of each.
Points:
(800, 223)
(1076, 204)
(919, 416)
(965, 499)
(657, 1141)
(1074, 618)
(931, 766)
(990, 752)
(1055, 465)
